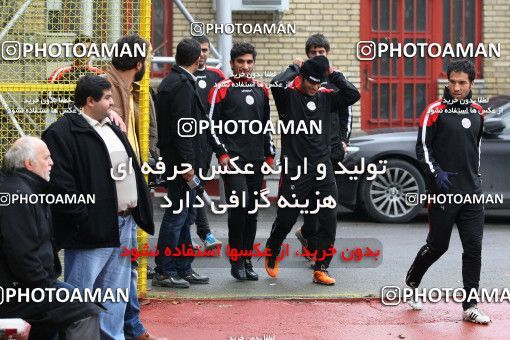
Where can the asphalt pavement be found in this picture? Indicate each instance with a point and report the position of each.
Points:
(400, 242)
(292, 307)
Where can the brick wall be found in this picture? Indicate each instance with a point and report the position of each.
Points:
(496, 71)
(338, 20)
(496, 29)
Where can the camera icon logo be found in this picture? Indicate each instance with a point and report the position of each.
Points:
(197, 29)
(187, 127)
(11, 50)
(365, 50)
(391, 295)
(5, 199)
(411, 199)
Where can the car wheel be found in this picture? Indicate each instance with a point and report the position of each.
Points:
(384, 197)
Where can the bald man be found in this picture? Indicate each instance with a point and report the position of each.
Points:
(28, 259)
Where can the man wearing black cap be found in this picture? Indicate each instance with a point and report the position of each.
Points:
(341, 126)
(299, 97)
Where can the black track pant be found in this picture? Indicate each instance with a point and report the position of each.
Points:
(242, 226)
(306, 187)
(310, 222)
(469, 219)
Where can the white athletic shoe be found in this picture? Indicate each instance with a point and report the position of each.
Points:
(415, 304)
(473, 314)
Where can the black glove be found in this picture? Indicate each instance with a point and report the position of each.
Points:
(442, 180)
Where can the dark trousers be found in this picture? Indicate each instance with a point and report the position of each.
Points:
(306, 187)
(310, 222)
(469, 219)
(175, 230)
(242, 226)
(202, 223)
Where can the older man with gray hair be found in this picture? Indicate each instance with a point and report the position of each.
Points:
(28, 259)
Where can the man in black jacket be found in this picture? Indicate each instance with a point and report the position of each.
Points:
(448, 148)
(341, 126)
(28, 259)
(86, 149)
(178, 103)
(302, 99)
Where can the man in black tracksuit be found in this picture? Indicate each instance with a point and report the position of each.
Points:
(304, 100)
(242, 98)
(448, 148)
(207, 77)
(341, 126)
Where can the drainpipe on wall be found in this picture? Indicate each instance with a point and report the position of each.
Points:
(224, 16)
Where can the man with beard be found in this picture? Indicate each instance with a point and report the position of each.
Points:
(124, 73)
(448, 148)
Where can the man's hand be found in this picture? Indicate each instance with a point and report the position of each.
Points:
(442, 180)
(224, 162)
(188, 176)
(117, 120)
(298, 61)
(344, 146)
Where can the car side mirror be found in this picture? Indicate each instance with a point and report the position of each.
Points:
(494, 126)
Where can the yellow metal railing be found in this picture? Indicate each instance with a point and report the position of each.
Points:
(29, 102)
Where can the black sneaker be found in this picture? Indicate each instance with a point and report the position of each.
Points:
(250, 273)
(195, 278)
(171, 281)
(238, 270)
